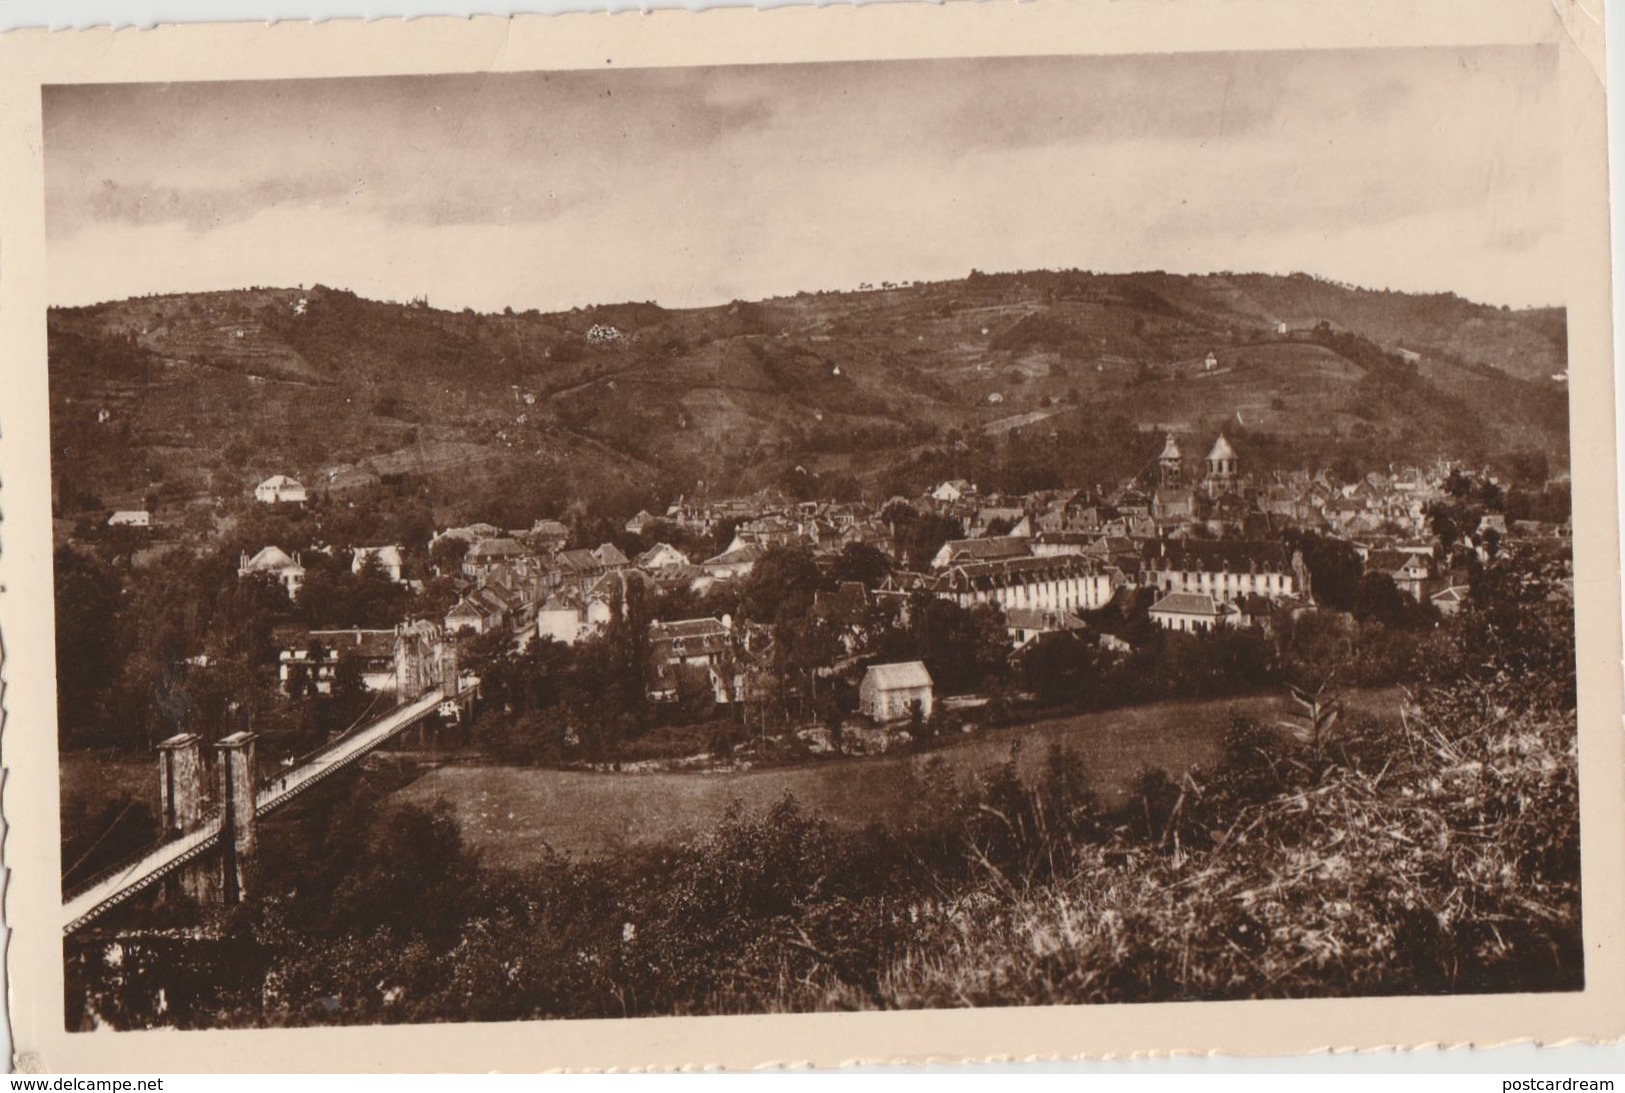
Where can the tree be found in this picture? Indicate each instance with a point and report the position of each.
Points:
(447, 554)
(780, 585)
(88, 640)
(862, 563)
(334, 596)
(350, 697)
(802, 648)
(1059, 667)
(1378, 599)
(916, 720)
(1334, 568)
(486, 652)
(1530, 468)
(1317, 646)
(1517, 629)
(918, 540)
(1445, 520)
(962, 648)
(1458, 485)
(247, 611)
(416, 878)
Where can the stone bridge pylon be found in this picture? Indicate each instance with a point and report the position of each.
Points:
(208, 851)
(227, 877)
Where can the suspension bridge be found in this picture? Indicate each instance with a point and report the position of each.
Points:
(195, 838)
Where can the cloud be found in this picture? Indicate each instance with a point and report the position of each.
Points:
(200, 208)
(694, 185)
(490, 149)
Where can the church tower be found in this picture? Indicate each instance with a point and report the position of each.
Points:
(1221, 466)
(1171, 464)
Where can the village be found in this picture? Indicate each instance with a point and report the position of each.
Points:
(1193, 547)
(1003, 529)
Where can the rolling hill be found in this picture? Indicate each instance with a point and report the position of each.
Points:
(1020, 379)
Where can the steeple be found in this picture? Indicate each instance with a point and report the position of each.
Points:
(1171, 464)
(1221, 464)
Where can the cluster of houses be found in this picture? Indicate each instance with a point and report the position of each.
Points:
(288, 571)
(405, 660)
(1205, 539)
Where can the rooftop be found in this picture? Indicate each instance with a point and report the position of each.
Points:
(1187, 603)
(896, 677)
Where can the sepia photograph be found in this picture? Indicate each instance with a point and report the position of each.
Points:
(905, 534)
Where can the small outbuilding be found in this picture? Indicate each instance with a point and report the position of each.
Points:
(1449, 601)
(889, 691)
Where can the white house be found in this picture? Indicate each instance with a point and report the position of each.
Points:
(1449, 601)
(610, 556)
(662, 556)
(1193, 612)
(130, 519)
(274, 562)
(1025, 623)
(562, 619)
(737, 561)
(697, 654)
(387, 558)
(889, 691)
(471, 615)
(487, 555)
(372, 650)
(1410, 573)
(279, 489)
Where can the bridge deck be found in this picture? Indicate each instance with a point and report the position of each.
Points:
(129, 879)
(284, 786)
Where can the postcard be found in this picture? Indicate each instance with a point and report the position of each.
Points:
(727, 539)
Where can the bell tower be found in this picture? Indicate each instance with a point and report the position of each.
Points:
(1170, 463)
(1221, 466)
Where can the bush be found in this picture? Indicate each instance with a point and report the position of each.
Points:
(1434, 851)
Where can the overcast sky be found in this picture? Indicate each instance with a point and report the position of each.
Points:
(1414, 169)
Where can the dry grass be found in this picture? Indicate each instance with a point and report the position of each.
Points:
(1453, 867)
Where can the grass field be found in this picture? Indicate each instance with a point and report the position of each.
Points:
(92, 778)
(510, 814)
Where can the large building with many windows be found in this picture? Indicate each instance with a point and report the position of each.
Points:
(1226, 570)
(1063, 582)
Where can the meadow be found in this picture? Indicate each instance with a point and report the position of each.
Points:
(513, 815)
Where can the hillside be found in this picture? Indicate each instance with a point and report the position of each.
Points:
(1022, 379)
